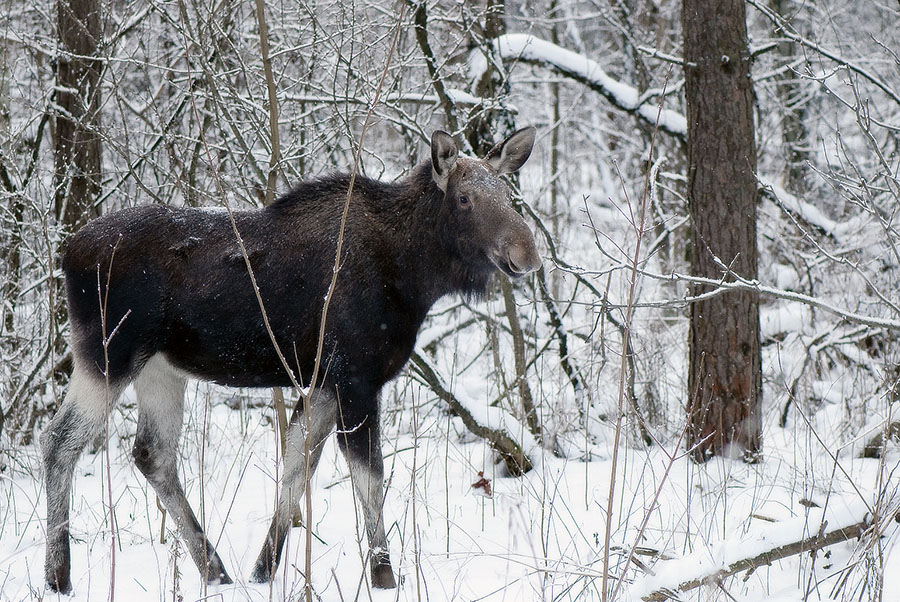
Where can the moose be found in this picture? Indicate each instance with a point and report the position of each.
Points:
(157, 294)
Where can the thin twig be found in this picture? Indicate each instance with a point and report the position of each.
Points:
(629, 312)
(103, 298)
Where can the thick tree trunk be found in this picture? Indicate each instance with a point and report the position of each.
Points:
(77, 172)
(724, 382)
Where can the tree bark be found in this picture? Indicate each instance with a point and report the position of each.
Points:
(724, 381)
(484, 125)
(77, 161)
(794, 132)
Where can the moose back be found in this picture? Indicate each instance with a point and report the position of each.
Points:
(158, 294)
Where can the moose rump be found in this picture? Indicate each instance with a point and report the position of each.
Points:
(159, 294)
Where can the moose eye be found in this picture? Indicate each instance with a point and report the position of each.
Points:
(463, 200)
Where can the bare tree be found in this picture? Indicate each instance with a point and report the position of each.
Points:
(78, 149)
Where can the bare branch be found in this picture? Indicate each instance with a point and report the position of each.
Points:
(820, 540)
(517, 463)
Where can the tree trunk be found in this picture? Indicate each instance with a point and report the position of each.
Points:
(485, 126)
(724, 381)
(794, 133)
(77, 170)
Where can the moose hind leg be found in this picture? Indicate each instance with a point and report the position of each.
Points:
(323, 408)
(160, 395)
(77, 421)
(361, 445)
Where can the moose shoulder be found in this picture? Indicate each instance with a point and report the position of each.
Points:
(176, 289)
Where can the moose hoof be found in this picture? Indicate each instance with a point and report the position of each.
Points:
(58, 581)
(59, 588)
(262, 573)
(383, 577)
(215, 572)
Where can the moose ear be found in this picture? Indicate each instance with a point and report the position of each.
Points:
(511, 154)
(444, 153)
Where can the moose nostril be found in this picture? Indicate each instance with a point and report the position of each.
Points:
(523, 259)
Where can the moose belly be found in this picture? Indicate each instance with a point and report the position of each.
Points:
(231, 354)
(362, 349)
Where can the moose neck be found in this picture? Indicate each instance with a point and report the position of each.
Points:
(432, 269)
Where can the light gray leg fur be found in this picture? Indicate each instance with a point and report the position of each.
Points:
(361, 445)
(160, 396)
(79, 420)
(323, 410)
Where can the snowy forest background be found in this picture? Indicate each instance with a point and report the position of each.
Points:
(613, 507)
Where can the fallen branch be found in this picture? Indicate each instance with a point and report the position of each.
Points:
(821, 539)
(517, 463)
(875, 447)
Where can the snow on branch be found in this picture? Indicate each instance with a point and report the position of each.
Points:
(475, 419)
(818, 529)
(805, 210)
(722, 286)
(455, 96)
(530, 49)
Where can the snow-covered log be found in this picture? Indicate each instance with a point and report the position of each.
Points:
(820, 528)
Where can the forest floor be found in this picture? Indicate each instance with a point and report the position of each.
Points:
(540, 537)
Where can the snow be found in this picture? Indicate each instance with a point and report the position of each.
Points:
(537, 537)
(708, 561)
(783, 318)
(529, 47)
(807, 211)
(785, 277)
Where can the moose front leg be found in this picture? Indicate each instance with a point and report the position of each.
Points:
(361, 444)
(295, 477)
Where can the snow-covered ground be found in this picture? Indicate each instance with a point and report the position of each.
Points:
(540, 537)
